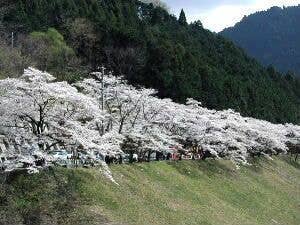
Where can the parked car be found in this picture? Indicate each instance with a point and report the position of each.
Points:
(126, 157)
(99, 157)
(188, 156)
(10, 163)
(61, 157)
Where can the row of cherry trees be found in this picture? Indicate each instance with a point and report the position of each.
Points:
(106, 115)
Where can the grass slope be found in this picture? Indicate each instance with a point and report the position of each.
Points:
(201, 193)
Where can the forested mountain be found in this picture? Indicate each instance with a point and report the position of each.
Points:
(70, 38)
(271, 36)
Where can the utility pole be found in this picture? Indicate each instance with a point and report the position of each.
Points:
(99, 76)
(12, 39)
(102, 96)
(102, 87)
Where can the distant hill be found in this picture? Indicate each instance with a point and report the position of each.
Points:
(272, 37)
(150, 47)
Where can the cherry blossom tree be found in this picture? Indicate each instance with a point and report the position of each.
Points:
(125, 106)
(106, 115)
(38, 114)
(154, 124)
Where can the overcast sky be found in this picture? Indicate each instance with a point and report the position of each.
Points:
(219, 14)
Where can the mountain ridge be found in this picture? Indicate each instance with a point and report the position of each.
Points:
(270, 36)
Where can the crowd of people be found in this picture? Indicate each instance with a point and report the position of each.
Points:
(169, 155)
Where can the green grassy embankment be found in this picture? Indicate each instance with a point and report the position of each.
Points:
(160, 193)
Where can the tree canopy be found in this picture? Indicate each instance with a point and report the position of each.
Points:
(150, 47)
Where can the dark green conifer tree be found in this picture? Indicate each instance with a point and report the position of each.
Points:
(182, 18)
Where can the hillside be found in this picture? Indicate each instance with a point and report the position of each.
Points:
(150, 47)
(189, 192)
(271, 36)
